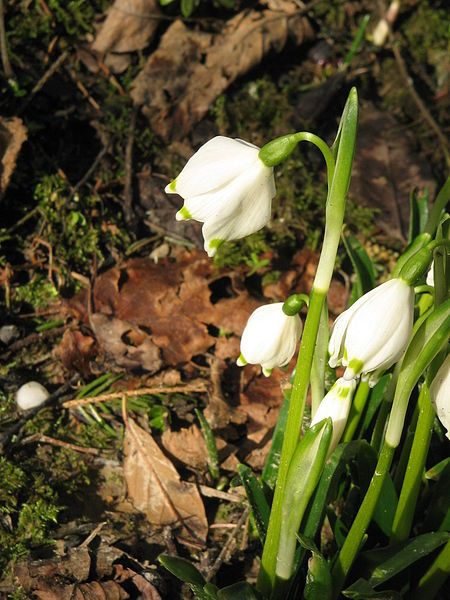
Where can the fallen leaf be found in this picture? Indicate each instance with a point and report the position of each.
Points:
(155, 488)
(386, 169)
(129, 26)
(191, 68)
(187, 445)
(151, 315)
(128, 345)
(12, 135)
(76, 351)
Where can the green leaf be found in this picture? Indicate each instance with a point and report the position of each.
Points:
(418, 210)
(362, 590)
(318, 585)
(238, 591)
(165, 2)
(385, 563)
(375, 399)
(386, 506)
(362, 265)
(256, 498)
(304, 473)
(188, 7)
(435, 472)
(270, 471)
(438, 513)
(210, 441)
(182, 569)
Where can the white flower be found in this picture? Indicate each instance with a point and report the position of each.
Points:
(30, 395)
(372, 335)
(440, 394)
(336, 405)
(270, 338)
(430, 275)
(228, 188)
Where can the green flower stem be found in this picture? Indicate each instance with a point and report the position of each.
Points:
(355, 536)
(319, 362)
(291, 436)
(359, 403)
(305, 136)
(439, 205)
(334, 219)
(407, 442)
(435, 577)
(411, 483)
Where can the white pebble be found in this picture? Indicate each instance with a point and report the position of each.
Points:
(30, 395)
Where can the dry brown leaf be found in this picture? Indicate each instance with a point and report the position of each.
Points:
(386, 169)
(129, 26)
(12, 135)
(128, 345)
(187, 445)
(191, 68)
(148, 315)
(155, 488)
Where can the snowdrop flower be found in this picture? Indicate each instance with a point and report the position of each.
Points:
(270, 337)
(336, 405)
(31, 395)
(372, 335)
(430, 275)
(440, 394)
(227, 187)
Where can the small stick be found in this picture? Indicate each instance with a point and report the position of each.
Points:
(92, 535)
(227, 547)
(45, 439)
(128, 187)
(5, 436)
(7, 69)
(210, 492)
(43, 80)
(420, 104)
(158, 389)
(91, 170)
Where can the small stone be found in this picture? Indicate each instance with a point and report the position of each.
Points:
(9, 333)
(31, 395)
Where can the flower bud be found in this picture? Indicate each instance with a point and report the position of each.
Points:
(372, 335)
(336, 405)
(31, 395)
(270, 337)
(228, 188)
(440, 394)
(277, 150)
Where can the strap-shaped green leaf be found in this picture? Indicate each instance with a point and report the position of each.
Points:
(256, 498)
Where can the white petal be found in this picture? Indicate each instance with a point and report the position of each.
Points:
(440, 394)
(336, 405)
(378, 332)
(270, 337)
(216, 163)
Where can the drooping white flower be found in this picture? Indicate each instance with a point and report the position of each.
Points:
(440, 394)
(31, 395)
(270, 338)
(336, 404)
(371, 335)
(430, 275)
(227, 187)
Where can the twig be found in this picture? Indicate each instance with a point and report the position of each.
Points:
(420, 104)
(80, 85)
(32, 339)
(90, 171)
(92, 535)
(231, 541)
(210, 492)
(45, 439)
(9, 73)
(128, 186)
(43, 80)
(199, 387)
(5, 436)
